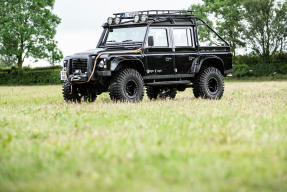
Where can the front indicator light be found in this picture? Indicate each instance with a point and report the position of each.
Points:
(65, 63)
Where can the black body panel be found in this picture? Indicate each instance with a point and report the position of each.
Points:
(184, 58)
(159, 61)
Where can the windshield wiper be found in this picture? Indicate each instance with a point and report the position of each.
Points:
(125, 41)
(131, 42)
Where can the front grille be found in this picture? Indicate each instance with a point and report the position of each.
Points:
(79, 64)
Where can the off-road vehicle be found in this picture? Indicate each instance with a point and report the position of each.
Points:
(163, 50)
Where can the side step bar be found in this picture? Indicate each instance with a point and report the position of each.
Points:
(176, 76)
(168, 83)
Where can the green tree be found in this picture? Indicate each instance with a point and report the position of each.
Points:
(27, 30)
(8, 60)
(266, 28)
(2, 64)
(228, 19)
(202, 12)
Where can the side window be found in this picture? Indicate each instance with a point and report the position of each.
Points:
(159, 36)
(182, 37)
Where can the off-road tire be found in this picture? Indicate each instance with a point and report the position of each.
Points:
(209, 84)
(161, 93)
(71, 93)
(68, 93)
(127, 86)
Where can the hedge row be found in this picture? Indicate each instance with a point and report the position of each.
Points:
(257, 66)
(50, 75)
(11, 69)
(40, 77)
(259, 70)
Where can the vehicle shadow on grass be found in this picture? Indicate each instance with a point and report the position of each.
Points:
(106, 100)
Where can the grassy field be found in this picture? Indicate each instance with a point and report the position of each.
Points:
(236, 144)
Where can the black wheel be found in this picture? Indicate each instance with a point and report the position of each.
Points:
(69, 94)
(161, 93)
(127, 86)
(78, 93)
(209, 84)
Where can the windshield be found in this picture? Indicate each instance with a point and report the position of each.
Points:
(126, 35)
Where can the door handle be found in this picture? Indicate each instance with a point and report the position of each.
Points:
(168, 59)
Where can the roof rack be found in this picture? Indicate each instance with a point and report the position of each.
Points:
(156, 13)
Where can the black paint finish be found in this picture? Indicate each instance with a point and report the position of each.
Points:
(159, 61)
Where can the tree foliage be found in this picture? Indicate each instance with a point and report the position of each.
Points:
(7, 60)
(257, 24)
(228, 19)
(202, 12)
(266, 28)
(27, 30)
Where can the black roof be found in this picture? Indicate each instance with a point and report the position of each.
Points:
(156, 13)
(157, 17)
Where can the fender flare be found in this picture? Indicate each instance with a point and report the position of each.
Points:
(117, 62)
(197, 64)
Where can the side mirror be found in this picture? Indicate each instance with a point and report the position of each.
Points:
(150, 41)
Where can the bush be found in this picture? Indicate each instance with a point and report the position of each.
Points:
(24, 77)
(5, 69)
(56, 67)
(241, 70)
(258, 66)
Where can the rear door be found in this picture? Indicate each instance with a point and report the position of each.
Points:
(184, 49)
(159, 58)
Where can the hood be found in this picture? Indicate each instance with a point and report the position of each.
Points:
(96, 52)
(86, 53)
(90, 52)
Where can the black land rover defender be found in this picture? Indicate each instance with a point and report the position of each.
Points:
(163, 50)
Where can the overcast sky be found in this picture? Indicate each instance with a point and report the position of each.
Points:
(82, 20)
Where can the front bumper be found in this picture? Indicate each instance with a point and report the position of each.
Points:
(83, 77)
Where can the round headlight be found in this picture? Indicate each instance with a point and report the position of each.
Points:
(117, 20)
(143, 18)
(102, 63)
(110, 20)
(136, 19)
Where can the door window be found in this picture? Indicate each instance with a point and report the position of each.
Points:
(182, 37)
(159, 36)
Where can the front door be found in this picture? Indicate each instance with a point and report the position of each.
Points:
(185, 50)
(159, 57)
